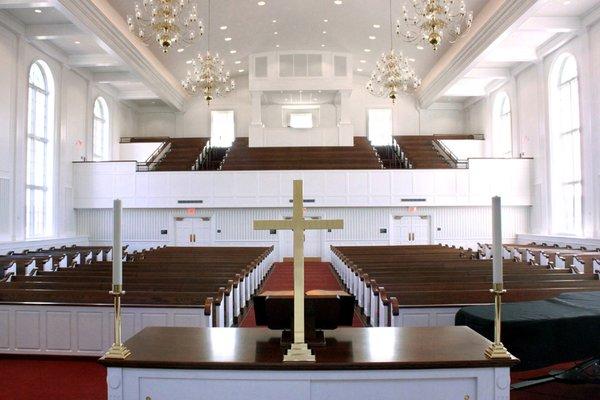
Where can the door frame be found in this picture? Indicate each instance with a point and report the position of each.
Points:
(403, 215)
(179, 217)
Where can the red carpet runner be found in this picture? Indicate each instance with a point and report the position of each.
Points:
(317, 275)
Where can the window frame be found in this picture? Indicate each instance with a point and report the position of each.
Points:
(561, 185)
(104, 153)
(39, 217)
(503, 126)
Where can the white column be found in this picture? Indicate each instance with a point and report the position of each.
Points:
(255, 132)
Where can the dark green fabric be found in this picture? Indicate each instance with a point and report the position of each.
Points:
(545, 332)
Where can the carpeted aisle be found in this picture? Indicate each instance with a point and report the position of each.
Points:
(317, 275)
(52, 378)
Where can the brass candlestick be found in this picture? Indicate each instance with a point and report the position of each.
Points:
(118, 349)
(497, 349)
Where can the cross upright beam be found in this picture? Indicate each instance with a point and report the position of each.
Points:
(298, 224)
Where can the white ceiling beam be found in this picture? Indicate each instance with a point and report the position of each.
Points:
(488, 73)
(511, 54)
(51, 31)
(115, 77)
(137, 94)
(93, 60)
(552, 24)
(100, 19)
(554, 43)
(495, 19)
(24, 4)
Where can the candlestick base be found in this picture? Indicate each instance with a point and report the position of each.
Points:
(497, 351)
(299, 352)
(117, 352)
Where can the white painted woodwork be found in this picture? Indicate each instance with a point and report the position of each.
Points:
(193, 231)
(432, 384)
(82, 330)
(96, 184)
(410, 230)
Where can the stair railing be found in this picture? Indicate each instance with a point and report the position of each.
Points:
(448, 155)
(155, 158)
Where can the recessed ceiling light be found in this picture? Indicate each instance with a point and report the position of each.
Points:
(275, 33)
(233, 51)
(37, 11)
(359, 70)
(77, 42)
(338, 2)
(189, 62)
(376, 26)
(261, 3)
(240, 70)
(325, 20)
(322, 45)
(363, 61)
(367, 50)
(228, 39)
(224, 27)
(276, 45)
(180, 50)
(274, 21)
(567, 2)
(238, 62)
(324, 32)
(419, 47)
(411, 59)
(372, 37)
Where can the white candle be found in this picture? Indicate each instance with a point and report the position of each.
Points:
(117, 275)
(497, 238)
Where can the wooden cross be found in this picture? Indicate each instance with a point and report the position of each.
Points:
(298, 224)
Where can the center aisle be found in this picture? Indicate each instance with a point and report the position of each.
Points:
(317, 275)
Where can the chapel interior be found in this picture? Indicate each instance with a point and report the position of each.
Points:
(300, 199)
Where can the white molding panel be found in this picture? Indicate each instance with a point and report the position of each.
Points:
(97, 184)
(82, 330)
(431, 384)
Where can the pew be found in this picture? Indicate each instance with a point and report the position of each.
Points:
(407, 285)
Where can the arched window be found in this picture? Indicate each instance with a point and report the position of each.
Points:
(101, 139)
(502, 126)
(565, 146)
(40, 160)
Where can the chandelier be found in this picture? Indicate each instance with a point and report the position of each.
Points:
(207, 76)
(168, 22)
(434, 17)
(393, 73)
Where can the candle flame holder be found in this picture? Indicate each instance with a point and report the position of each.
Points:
(497, 349)
(117, 350)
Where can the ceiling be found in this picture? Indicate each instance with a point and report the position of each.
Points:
(549, 25)
(299, 25)
(278, 25)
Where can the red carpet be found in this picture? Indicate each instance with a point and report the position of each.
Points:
(317, 275)
(52, 378)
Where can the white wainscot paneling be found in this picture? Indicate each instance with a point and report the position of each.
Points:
(81, 330)
(98, 183)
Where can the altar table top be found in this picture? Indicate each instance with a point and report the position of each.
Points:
(347, 349)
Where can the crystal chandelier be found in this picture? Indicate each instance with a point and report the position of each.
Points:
(207, 76)
(393, 73)
(168, 22)
(434, 17)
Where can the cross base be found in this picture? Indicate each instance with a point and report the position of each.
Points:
(299, 352)
(496, 351)
(119, 352)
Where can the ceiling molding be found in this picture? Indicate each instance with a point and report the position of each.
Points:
(488, 73)
(552, 24)
(554, 43)
(98, 17)
(497, 17)
(115, 77)
(51, 31)
(13, 4)
(137, 94)
(592, 16)
(94, 60)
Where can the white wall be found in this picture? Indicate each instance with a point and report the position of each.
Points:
(233, 227)
(74, 98)
(408, 118)
(528, 92)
